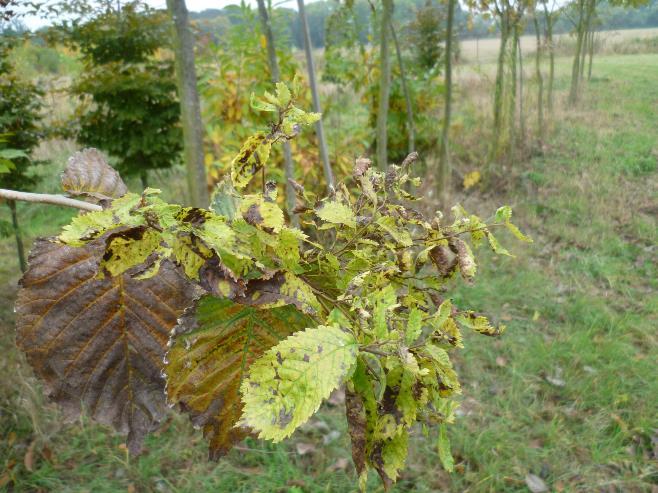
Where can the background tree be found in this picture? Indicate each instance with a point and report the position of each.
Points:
(384, 83)
(445, 170)
(312, 80)
(190, 106)
(128, 104)
(276, 77)
(20, 104)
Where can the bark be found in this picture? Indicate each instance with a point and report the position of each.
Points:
(20, 249)
(276, 77)
(575, 68)
(550, 20)
(144, 178)
(500, 82)
(591, 55)
(445, 168)
(384, 85)
(513, 88)
(521, 108)
(540, 81)
(319, 127)
(411, 132)
(190, 106)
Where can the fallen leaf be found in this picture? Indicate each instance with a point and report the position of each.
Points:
(305, 448)
(28, 460)
(340, 465)
(330, 437)
(500, 361)
(11, 438)
(535, 484)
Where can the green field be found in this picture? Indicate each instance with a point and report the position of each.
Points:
(568, 394)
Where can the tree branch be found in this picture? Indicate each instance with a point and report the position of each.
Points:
(46, 198)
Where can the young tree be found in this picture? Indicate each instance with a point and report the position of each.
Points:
(540, 78)
(189, 104)
(405, 89)
(551, 15)
(384, 83)
(310, 65)
(128, 94)
(276, 77)
(445, 169)
(20, 105)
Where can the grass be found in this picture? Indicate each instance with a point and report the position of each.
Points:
(569, 393)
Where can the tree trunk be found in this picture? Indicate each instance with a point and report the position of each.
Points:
(20, 250)
(445, 169)
(276, 77)
(540, 81)
(189, 103)
(521, 108)
(591, 55)
(551, 57)
(144, 178)
(575, 68)
(498, 91)
(411, 132)
(319, 127)
(513, 89)
(384, 85)
(588, 36)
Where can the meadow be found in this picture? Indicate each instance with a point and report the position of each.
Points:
(567, 398)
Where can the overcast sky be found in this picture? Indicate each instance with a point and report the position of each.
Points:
(192, 5)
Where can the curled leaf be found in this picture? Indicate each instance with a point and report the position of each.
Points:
(88, 173)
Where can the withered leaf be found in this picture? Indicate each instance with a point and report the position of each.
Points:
(99, 342)
(88, 173)
(356, 424)
(211, 350)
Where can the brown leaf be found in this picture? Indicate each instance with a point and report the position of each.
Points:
(444, 260)
(211, 350)
(99, 342)
(356, 424)
(304, 448)
(28, 459)
(88, 173)
(340, 465)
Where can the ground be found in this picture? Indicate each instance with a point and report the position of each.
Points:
(568, 394)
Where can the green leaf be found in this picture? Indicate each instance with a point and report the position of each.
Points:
(129, 248)
(414, 325)
(480, 324)
(260, 212)
(225, 200)
(210, 352)
(400, 235)
(495, 246)
(253, 155)
(282, 94)
(443, 446)
(260, 105)
(287, 385)
(335, 212)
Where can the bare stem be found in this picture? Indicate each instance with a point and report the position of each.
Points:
(46, 198)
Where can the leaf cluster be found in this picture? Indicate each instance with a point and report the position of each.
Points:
(356, 296)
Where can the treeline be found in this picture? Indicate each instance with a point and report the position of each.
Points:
(467, 25)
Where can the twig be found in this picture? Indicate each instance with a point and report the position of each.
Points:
(46, 198)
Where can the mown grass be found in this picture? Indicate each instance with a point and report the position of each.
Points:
(569, 393)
